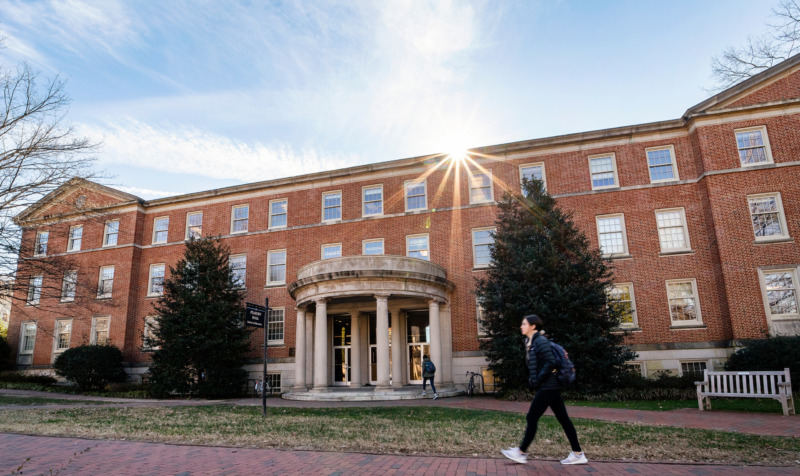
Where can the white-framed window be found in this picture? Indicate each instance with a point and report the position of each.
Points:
(105, 285)
(276, 267)
(673, 233)
(482, 241)
(34, 290)
(661, 164)
(684, 305)
(603, 171)
(416, 192)
(240, 217)
(636, 368)
(100, 326)
(611, 235)
(62, 334)
(27, 339)
(151, 324)
(69, 286)
(332, 206)
(160, 230)
(75, 238)
(779, 288)
(372, 198)
(694, 367)
(767, 217)
(417, 247)
(532, 171)
(480, 187)
(238, 264)
(155, 284)
(372, 247)
(332, 250)
(274, 383)
(111, 233)
(275, 320)
(194, 225)
(278, 213)
(621, 297)
(482, 332)
(40, 245)
(753, 146)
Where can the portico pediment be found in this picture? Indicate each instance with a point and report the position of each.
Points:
(368, 275)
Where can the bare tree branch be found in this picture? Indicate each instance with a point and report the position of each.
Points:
(736, 64)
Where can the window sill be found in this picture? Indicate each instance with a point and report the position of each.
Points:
(277, 228)
(153, 296)
(481, 268)
(243, 232)
(66, 301)
(275, 344)
(616, 257)
(784, 317)
(677, 253)
(275, 285)
(620, 330)
(417, 210)
(103, 298)
(782, 239)
(609, 187)
(688, 326)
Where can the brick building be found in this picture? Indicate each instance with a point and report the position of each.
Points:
(370, 267)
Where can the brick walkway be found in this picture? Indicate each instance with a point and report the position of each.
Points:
(73, 456)
(78, 456)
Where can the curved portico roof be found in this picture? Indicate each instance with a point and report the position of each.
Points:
(369, 275)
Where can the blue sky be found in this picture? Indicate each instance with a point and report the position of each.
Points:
(190, 96)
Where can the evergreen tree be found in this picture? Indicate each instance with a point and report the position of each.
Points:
(200, 339)
(543, 264)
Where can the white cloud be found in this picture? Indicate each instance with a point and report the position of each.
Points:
(189, 150)
(145, 193)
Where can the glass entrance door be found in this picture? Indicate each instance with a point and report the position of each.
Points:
(418, 332)
(341, 350)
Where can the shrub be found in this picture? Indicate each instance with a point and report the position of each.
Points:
(6, 361)
(91, 366)
(775, 353)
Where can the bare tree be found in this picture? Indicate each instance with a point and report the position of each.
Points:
(782, 41)
(39, 152)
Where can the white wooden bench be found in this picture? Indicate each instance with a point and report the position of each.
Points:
(771, 384)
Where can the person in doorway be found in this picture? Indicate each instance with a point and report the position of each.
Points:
(542, 378)
(428, 371)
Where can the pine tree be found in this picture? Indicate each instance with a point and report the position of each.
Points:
(200, 339)
(543, 264)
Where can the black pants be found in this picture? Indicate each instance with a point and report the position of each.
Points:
(425, 380)
(542, 400)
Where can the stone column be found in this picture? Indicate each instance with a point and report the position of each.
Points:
(397, 367)
(300, 352)
(436, 337)
(309, 347)
(382, 344)
(355, 349)
(321, 345)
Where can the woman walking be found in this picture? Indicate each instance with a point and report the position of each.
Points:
(542, 378)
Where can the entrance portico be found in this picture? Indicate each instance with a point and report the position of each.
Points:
(373, 319)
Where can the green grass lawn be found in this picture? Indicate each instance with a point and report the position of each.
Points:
(762, 405)
(398, 430)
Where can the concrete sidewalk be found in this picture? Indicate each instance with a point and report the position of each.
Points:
(74, 456)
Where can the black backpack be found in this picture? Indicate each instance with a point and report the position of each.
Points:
(565, 367)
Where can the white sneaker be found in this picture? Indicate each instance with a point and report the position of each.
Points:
(422, 394)
(575, 459)
(435, 396)
(514, 454)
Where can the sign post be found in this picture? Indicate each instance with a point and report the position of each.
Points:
(256, 316)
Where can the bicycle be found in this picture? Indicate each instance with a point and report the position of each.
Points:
(258, 389)
(471, 384)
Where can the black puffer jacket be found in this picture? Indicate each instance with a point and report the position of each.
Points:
(541, 364)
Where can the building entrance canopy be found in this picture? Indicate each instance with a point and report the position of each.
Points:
(358, 285)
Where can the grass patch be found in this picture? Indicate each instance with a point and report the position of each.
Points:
(760, 405)
(22, 400)
(399, 430)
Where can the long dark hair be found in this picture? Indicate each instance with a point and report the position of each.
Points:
(534, 320)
